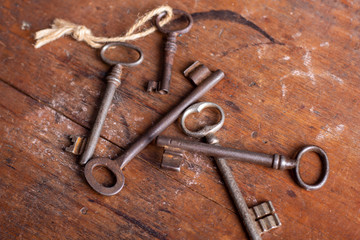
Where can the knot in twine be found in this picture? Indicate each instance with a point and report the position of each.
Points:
(61, 27)
(81, 33)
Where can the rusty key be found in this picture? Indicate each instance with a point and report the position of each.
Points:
(113, 81)
(275, 161)
(170, 50)
(116, 166)
(208, 132)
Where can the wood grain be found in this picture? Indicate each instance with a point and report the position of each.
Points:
(292, 79)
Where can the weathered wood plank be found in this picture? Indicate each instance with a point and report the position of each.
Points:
(302, 89)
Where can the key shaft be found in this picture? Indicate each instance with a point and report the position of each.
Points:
(170, 50)
(235, 192)
(169, 118)
(113, 81)
(271, 161)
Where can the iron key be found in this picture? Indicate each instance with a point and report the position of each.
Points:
(170, 50)
(272, 161)
(113, 81)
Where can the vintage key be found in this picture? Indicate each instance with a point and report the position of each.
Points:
(253, 225)
(272, 161)
(116, 166)
(170, 50)
(113, 81)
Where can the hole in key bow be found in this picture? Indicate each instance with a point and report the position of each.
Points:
(121, 54)
(207, 117)
(310, 168)
(121, 45)
(104, 176)
(181, 24)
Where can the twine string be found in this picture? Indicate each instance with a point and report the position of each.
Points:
(61, 27)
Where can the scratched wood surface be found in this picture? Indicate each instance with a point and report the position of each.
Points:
(292, 79)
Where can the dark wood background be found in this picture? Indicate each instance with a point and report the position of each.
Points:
(292, 79)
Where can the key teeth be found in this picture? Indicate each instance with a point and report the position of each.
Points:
(172, 159)
(188, 70)
(265, 216)
(268, 223)
(263, 209)
(77, 146)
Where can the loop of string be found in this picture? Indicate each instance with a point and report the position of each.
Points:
(62, 27)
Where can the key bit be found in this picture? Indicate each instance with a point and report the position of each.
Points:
(152, 86)
(172, 159)
(268, 223)
(197, 72)
(264, 209)
(265, 217)
(78, 145)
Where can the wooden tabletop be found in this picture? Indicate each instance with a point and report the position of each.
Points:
(292, 79)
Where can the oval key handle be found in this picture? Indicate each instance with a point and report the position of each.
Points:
(325, 168)
(127, 45)
(197, 108)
